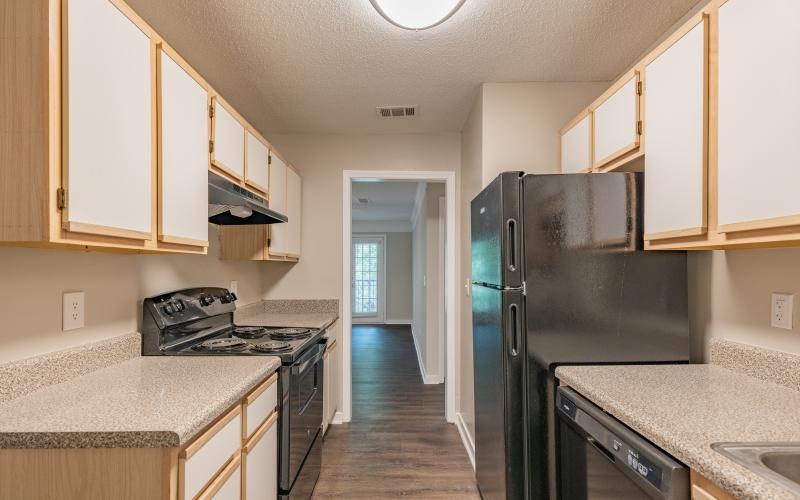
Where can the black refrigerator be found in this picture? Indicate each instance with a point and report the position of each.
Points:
(559, 276)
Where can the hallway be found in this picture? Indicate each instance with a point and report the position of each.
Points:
(398, 443)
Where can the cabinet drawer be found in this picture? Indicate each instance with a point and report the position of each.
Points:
(260, 462)
(201, 460)
(226, 486)
(259, 404)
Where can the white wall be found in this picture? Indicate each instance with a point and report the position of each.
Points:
(33, 281)
(512, 126)
(427, 285)
(398, 273)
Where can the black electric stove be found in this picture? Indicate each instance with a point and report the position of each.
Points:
(199, 322)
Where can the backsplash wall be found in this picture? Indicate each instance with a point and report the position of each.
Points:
(33, 280)
(730, 297)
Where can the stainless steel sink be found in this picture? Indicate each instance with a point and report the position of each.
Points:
(777, 462)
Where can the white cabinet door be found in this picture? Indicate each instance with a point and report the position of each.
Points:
(257, 171)
(576, 147)
(184, 156)
(261, 463)
(759, 105)
(675, 184)
(616, 123)
(228, 132)
(108, 163)
(294, 202)
(279, 233)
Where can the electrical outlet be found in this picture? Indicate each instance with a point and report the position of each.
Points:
(234, 287)
(782, 309)
(73, 311)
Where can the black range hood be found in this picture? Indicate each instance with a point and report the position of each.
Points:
(231, 205)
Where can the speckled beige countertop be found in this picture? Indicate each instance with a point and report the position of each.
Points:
(289, 313)
(145, 402)
(685, 408)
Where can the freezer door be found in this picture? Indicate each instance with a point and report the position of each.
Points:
(498, 352)
(593, 295)
(497, 233)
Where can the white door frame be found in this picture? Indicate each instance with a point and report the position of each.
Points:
(380, 315)
(449, 178)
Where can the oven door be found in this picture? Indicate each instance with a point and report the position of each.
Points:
(599, 458)
(301, 413)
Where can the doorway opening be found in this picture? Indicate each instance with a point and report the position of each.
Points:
(399, 271)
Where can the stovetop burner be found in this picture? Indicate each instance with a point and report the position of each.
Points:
(270, 346)
(290, 333)
(226, 345)
(249, 332)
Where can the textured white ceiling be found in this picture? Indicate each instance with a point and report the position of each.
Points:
(302, 66)
(388, 200)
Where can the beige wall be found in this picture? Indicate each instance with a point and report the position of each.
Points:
(321, 160)
(33, 281)
(398, 274)
(512, 126)
(521, 123)
(730, 297)
(427, 284)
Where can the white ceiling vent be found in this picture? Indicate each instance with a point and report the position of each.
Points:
(396, 111)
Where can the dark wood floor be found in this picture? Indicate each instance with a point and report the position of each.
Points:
(398, 443)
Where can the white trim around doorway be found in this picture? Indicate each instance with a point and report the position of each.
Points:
(451, 340)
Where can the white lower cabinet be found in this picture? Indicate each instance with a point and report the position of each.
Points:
(226, 486)
(260, 463)
(201, 460)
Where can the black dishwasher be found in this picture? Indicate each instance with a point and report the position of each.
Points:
(599, 458)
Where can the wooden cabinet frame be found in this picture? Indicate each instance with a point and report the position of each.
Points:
(32, 211)
(632, 151)
(569, 126)
(779, 232)
(704, 18)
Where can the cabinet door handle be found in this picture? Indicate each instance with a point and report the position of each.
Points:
(512, 241)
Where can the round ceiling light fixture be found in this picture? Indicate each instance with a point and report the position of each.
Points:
(417, 14)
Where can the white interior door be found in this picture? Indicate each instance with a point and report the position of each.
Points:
(368, 272)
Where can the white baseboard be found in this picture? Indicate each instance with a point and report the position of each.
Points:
(338, 418)
(427, 378)
(469, 442)
(397, 322)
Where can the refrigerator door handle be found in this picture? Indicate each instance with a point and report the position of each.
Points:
(514, 328)
(512, 244)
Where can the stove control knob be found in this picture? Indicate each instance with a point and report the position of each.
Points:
(226, 299)
(206, 300)
(169, 309)
(179, 305)
(233, 296)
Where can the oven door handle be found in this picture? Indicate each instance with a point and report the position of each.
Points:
(301, 368)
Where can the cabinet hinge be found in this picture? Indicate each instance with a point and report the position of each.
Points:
(61, 198)
(638, 88)
(269, 159)
(639, 127)
(210, 146)
(211, 111)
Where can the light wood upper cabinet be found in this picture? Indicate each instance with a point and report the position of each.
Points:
(183, 174)
(294, 209)
(279, 234)
(759, 106)
(108, 123)
(576, 145)
(616, 128)
(257, 163)
(677, 135)
(227, 136)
